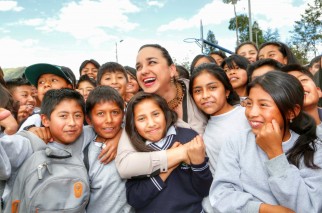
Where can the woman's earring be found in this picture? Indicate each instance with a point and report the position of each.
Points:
(172, 79)
(291, 121)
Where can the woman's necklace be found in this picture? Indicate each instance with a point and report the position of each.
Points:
(176, 101)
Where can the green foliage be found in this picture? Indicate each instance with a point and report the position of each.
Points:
(212, 39)
(307, 33)
(271, 35)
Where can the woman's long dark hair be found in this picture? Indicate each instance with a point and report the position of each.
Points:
(136, 139)
(287, 93)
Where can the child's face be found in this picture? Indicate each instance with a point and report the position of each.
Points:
(261, 110)
(24, 94)
(116, 80)
(50, 81)
(249, 52)
(237, 76)
(106, 119)
(149, 120)
(272, 51)
(210, 94)
(132, 85)
(85, 88)
(90, 70)
(311, 95)
(66, 122)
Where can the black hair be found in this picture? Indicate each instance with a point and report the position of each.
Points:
(137, 140)
(92, 61)
(197, 58)
(218, 73)
(54, 97)
(220, 53)
(288, 93)
(246, 43)
(2, 81)
(315, 60)
(16, 82)
(102, 94)
(7, 101)
(297, 67)
(131, 71)
(110, 67)
(86, 78)
(163, 50)
(182, 71)
(263, 62)
(284, 49)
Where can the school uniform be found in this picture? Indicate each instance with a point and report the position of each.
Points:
(245, 178)
(182, 191)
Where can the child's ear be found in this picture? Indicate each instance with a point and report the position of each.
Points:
(88, 120)
(44, 120)
(319, 92)
(294, 113)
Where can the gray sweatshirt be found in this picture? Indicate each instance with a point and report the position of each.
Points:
(245, 178)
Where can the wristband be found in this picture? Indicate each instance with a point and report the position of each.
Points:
(28, 127)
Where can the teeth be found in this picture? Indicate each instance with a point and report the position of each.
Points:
(148, 80)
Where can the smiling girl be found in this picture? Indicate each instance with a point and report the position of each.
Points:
(214, 95)
(150, 126)
(275, 167)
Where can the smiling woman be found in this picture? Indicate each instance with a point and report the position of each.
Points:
(156, 74)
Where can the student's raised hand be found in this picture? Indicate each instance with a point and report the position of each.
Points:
(23, 112)
(196, 150)
(108, 153)
(165, 175)
(8, 122)
(43, 133)
(269, 139)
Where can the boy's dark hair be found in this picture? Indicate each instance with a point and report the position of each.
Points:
(84, 78)
(54, 97)
(2, 82)
(183, 72)
(131, 71)
(284, 49)
(288, 93)
(84, 63)
(16, 82)
(297, 67)
(196, 59)
(102, 94)
(263, 62)
(137, 140)
(218, 73)
(110, 67)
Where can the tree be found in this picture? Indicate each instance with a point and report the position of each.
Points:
(269, 35)
(234, 2)
(307, 33)
(212, 39)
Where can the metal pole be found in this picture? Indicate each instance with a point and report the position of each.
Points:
(250, 21)
(116, 51)
(237, 42)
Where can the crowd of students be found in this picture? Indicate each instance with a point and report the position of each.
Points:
(233, 134)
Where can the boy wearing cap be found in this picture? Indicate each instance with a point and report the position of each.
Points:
(46, 77)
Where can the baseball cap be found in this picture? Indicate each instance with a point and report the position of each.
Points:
(33, 72)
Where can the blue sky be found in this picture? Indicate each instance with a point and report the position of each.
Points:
(68, 32)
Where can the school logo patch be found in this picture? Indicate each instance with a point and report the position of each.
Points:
(78, 189)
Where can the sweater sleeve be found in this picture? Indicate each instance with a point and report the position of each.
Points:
(131, 163)
(226, 192)
(201, 178)
(140, 192)
(297, 189)
(14, 149)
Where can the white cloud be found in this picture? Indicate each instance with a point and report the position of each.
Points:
(94, 21)
(32, 22)
(155, 3)
(10, 6)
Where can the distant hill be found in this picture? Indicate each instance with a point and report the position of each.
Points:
(10, 73)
